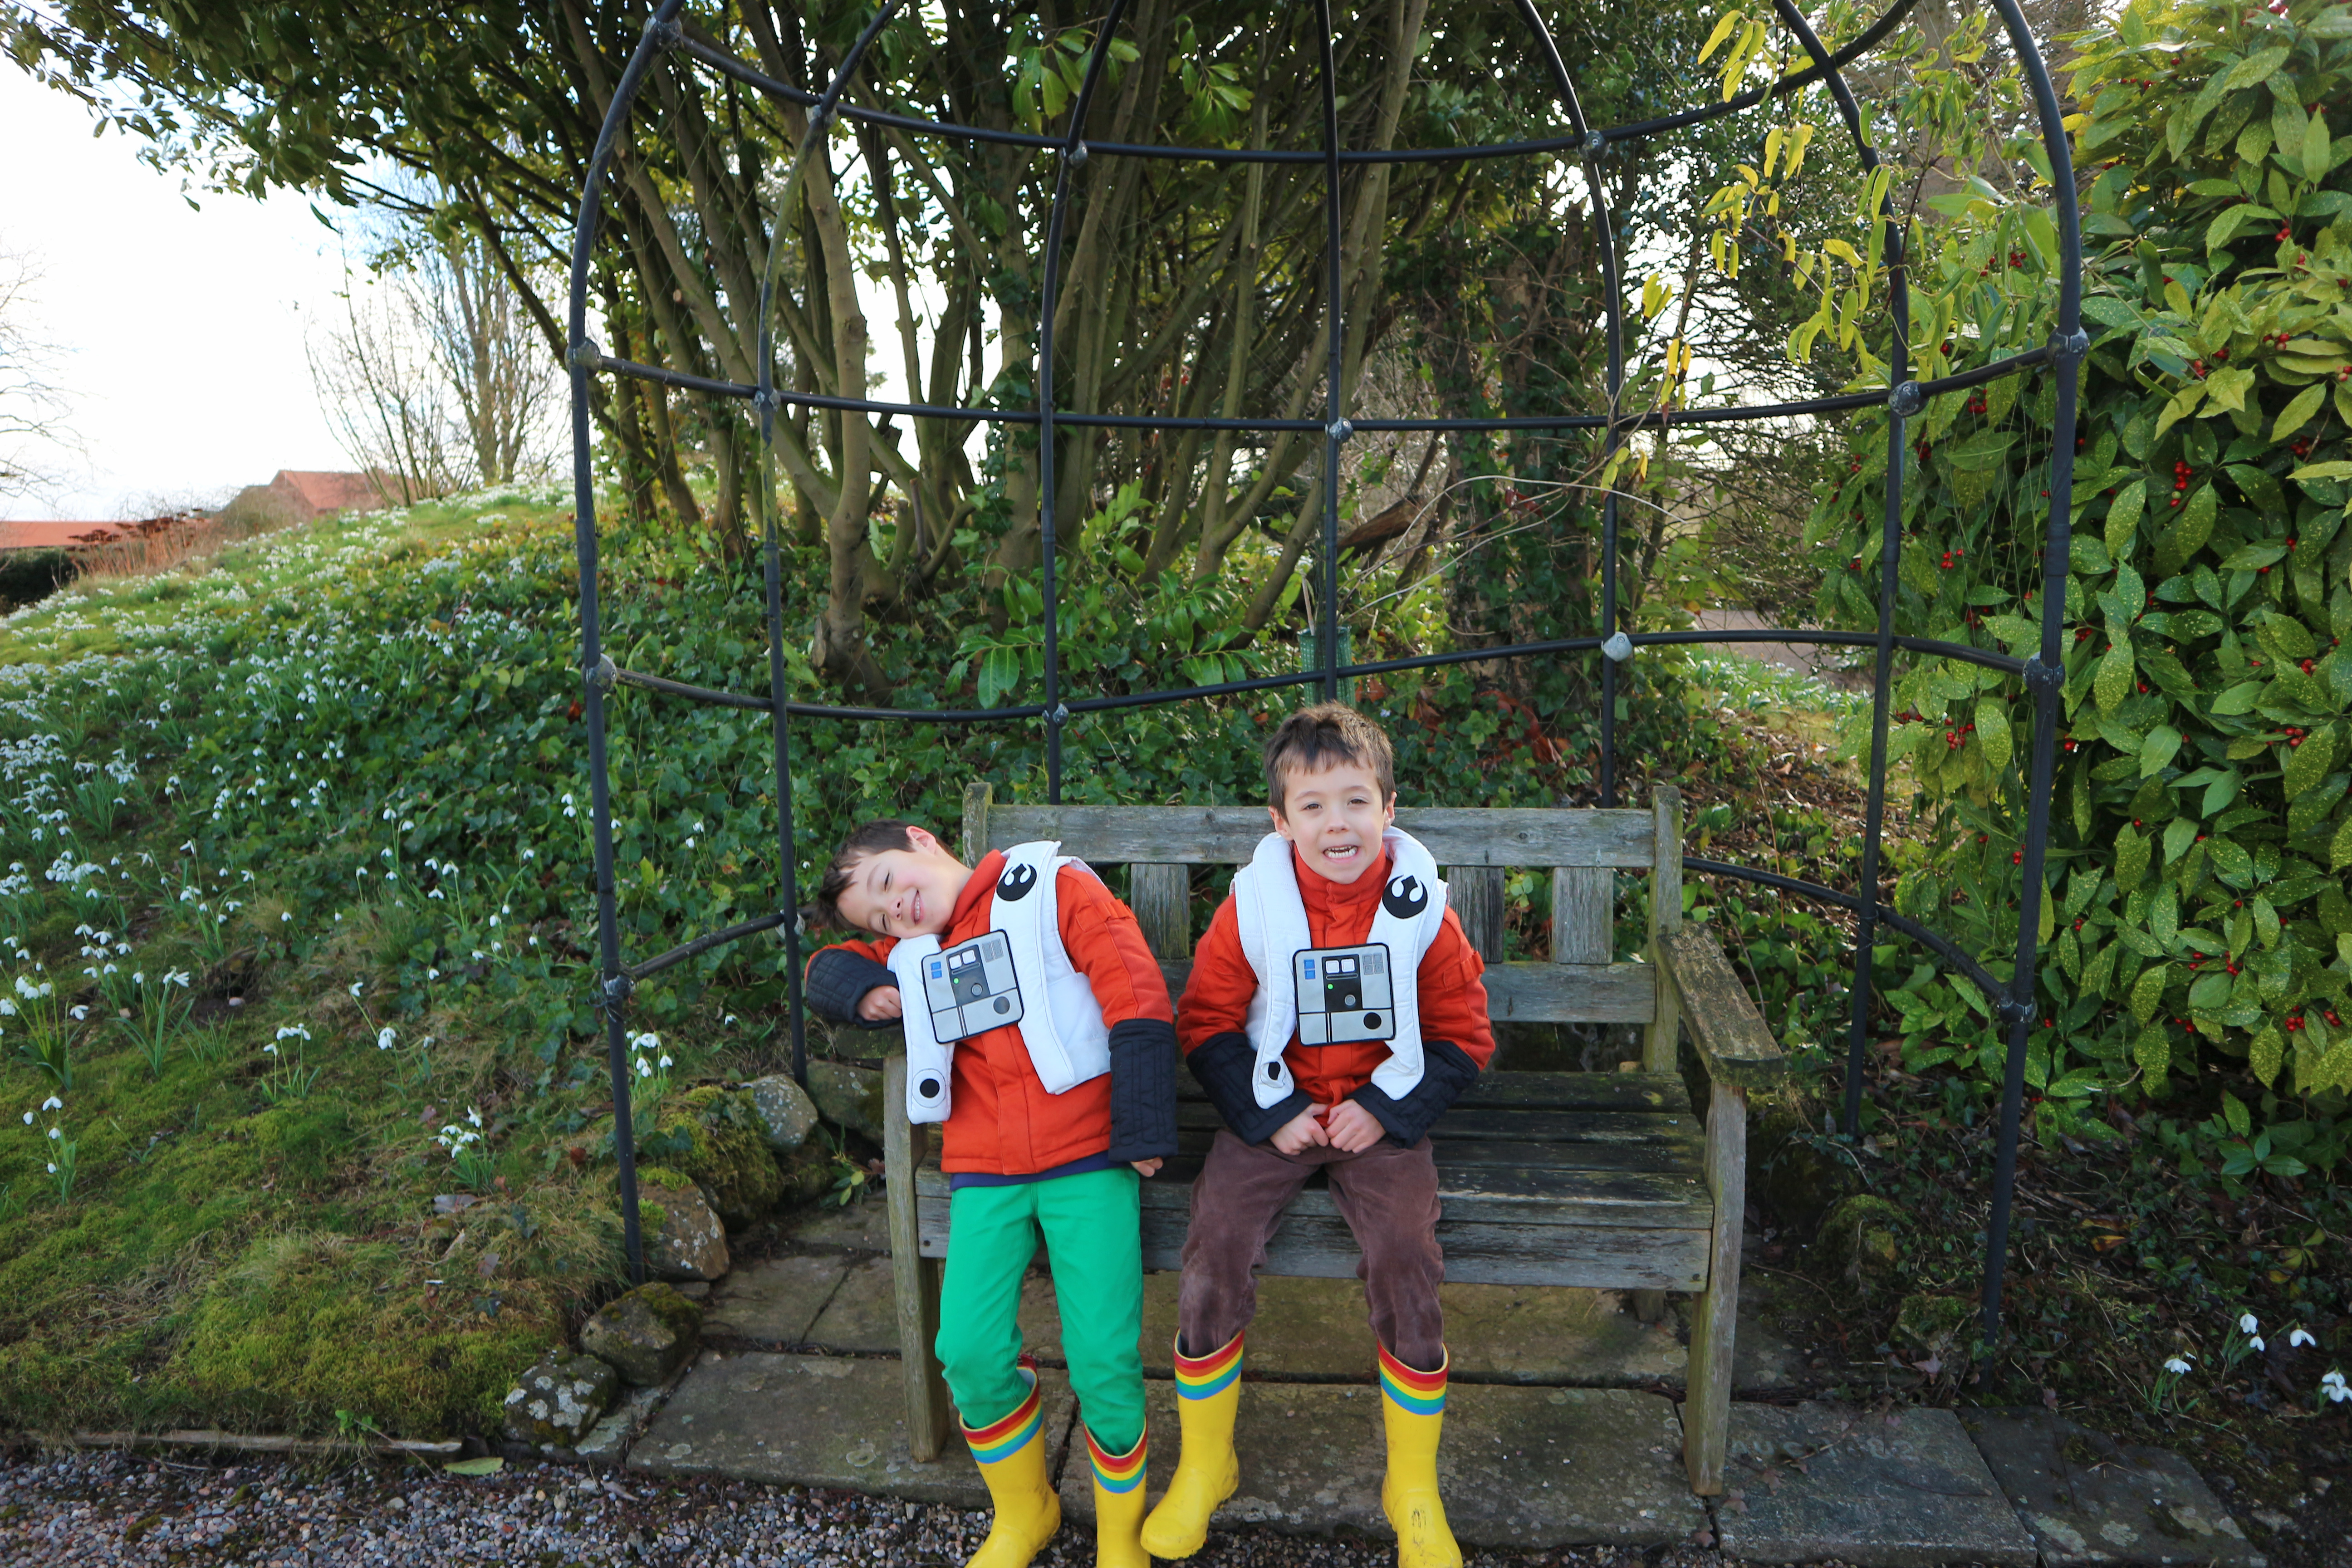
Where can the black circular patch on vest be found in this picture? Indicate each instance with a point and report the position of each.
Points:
(1371, 1020)
(1003, 1005)
(1405, 896)
(928, 1089)
(1274, 1069)
(1016, 882)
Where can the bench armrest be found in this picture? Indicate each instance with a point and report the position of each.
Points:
(1737, 1050)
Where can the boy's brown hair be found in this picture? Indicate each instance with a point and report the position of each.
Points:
(1319, 736)
(871, 838)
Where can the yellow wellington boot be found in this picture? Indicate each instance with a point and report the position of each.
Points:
(1208, 1393)
(1412, 1408)
(1118, 1505)
(1012, 1455)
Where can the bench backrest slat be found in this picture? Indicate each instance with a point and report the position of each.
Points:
(1228, 835)
(1584, 849)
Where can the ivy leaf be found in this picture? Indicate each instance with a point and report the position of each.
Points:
(2147, 991)
(1993, 732)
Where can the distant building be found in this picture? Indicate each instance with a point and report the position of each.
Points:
(55, 535)
(300, 495)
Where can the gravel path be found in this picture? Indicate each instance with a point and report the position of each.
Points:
(98, 1510)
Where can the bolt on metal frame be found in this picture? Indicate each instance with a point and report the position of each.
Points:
(1904, 398)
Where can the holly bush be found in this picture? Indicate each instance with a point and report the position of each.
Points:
(2196, 914)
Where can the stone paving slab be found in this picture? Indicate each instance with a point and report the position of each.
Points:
(1525, 1467)
(815, 1421)
(1315, 1330)
(863, 1227)
(773, 1301)
(1902, 1490)
(2090, 1499)
(862, 1315)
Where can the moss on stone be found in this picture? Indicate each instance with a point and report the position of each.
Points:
(1862, 1238)
(712, 1136)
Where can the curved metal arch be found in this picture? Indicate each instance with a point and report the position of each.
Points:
(2044, 673)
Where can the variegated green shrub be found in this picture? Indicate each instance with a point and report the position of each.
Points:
(2201, 837)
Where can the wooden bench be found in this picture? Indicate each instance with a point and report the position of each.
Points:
(1596, 1180)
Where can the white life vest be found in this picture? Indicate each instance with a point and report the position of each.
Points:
(1017, 973)
(1271, 918)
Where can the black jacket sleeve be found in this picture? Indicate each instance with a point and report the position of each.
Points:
(1446, 1070)
(1142, 1089)
(838, 981)
(1225, 1065)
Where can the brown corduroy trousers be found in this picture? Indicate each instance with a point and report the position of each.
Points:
(1388, 1195)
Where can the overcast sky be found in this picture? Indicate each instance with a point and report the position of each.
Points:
(180, 330)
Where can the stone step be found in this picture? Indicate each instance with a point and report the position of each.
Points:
(1902, 1490)
(1525, 1467)
(816, 1421)
(2089, 1500)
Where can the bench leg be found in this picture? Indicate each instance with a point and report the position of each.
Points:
(1649, 1306)
(1715, 1318)
(915, 1277)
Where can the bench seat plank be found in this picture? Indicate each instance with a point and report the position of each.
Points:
(1229, 835)
(1632, 1092)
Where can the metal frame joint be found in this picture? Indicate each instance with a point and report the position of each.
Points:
(666, 34)
(1339, 429)
(1906, 400)
(614, 994)
(2069, 348)
(606, 675)
(1076, 151)
(2044, 678)
(586, 354)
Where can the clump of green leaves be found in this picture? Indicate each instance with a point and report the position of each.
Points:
(2196, 911)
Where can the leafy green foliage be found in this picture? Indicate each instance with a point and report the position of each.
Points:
(2196, 913)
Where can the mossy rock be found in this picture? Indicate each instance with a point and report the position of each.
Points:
(645, 1335)
(713, 1136)
(1862, 1239)
(807, 1173)
(1937, 1325)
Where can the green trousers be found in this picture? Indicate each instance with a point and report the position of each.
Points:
(1091, 1225)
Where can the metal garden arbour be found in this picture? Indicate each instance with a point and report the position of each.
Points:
(1904, 398)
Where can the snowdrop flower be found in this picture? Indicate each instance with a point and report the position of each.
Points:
(77, 1013)
(355, 989)
(53, 1167)
(2178, 1366)
(384, 1038)
(2247, 1325)
(530, 854)
(57, 1134)
(28, 1118)
(2296, 1338)
(53, 1103)
(270, 1049)
(689, 841)
(2334, 1386)
(665, 1062)
(292, 1032)
(432, 974)
(286, 915)
(2255, 1341)
(474, 1115)
(479, 955)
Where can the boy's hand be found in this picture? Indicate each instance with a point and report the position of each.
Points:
(880, 1002)
(1146, 1167)
(1303, 1130)
(1350, 1128)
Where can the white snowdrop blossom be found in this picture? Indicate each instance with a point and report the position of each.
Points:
(77, 1013)
(355, 989)
(432, 974)
(2296, 1338)
(2333, 1385)
(474, 1115)
(385, 1038)
(57, 1134)
(53, 1103)
(28, 1118)
(292, 1032)
(2247, 1325)
(2178, 1366)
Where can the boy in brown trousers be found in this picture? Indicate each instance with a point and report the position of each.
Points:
(1335, 1010)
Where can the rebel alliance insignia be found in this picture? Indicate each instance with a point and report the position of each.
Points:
(1016, 882)
(1405, 896)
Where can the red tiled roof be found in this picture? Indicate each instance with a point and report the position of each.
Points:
(319, 493)
(52, 535)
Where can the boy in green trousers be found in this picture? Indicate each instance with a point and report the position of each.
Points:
(1039, 1032)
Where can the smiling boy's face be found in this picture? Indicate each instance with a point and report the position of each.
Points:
(905, 892)
(1334, 817)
